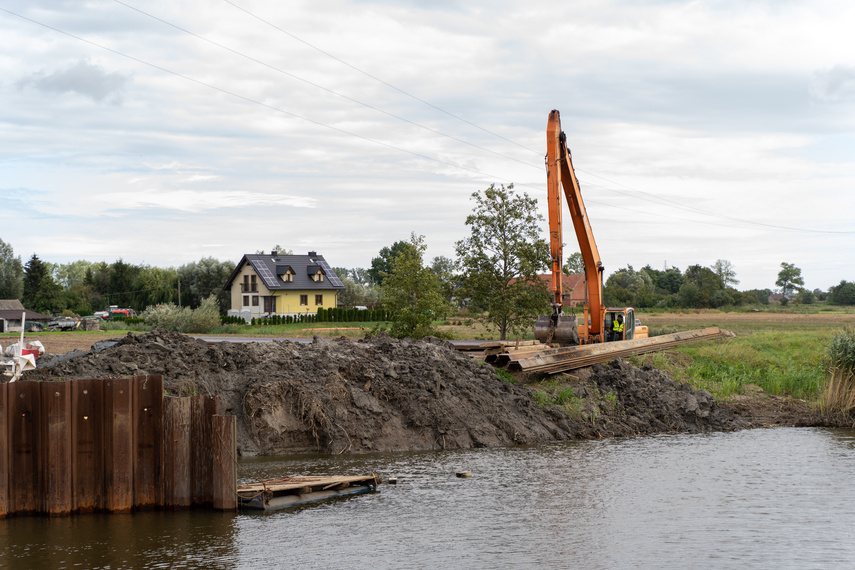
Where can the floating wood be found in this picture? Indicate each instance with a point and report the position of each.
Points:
(275, 494)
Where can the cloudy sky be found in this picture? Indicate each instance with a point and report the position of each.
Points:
(164, 132)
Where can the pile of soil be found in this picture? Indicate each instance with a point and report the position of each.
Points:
(387, 395)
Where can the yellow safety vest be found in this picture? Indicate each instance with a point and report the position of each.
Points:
(618, 326)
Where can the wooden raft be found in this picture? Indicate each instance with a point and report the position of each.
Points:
(272, 494)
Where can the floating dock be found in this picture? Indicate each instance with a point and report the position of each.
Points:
(272, 494)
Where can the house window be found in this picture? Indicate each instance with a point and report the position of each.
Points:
(246, 300)
(304, 299)
(319, 300)
(270, 304)
(288, 277)
(255, 300)
(245, 286)
(253, 286)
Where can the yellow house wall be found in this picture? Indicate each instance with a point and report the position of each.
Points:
(287, 302)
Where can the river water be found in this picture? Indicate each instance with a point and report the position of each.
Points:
(774, 498)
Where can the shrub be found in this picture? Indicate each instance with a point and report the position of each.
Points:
(184, 319)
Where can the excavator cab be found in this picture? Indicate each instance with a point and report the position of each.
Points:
(619, 329)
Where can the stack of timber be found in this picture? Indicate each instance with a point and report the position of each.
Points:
(272, 494)
(551, 360)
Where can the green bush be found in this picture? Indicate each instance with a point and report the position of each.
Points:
(184, 319)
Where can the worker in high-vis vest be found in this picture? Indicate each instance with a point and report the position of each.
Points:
(617, 328)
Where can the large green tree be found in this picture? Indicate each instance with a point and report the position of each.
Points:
(41, 292)
(725, 271)
(500, 260)
(700, 285)
(789, 278)
(411, 293)
(381, 266)
(842, 294)
(11, 273)
(203, 278)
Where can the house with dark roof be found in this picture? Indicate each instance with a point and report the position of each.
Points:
(11, 311)
(272, 284)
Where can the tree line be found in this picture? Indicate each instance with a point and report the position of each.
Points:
(494, 275)
(83, 287)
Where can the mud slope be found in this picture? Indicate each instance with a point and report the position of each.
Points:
(385, 394)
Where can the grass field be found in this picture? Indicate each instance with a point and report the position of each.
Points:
(784, 353)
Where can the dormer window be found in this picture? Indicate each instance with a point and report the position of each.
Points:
(285, 272)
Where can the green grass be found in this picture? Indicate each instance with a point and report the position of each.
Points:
(791, 363)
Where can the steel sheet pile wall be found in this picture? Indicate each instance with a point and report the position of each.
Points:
(114, 445)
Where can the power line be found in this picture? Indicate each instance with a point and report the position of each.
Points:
(318, 86)
(256, 102)
(363, 72)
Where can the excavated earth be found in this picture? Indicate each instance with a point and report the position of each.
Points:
(383, 394)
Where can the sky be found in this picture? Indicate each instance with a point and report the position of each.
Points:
(162, 133)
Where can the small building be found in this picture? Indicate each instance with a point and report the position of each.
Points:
(11, 311)
(287, 285)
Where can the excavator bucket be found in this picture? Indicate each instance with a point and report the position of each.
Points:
(556, 328)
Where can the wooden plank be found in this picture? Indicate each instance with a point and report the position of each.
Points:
(4, 451)
(177, 487)
(202, 412)
(570, 358)
(147, 420)
(56, 414)
(118, 445)
(298, 483)
(25, 475)
(87, 444)
(225, 454)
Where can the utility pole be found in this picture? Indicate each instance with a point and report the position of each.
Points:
(179, 293)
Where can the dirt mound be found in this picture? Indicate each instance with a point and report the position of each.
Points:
(385, 394)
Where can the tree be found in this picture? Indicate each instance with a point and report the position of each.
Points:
(353, 293)
(700, 284)
(443, 268)
(411, 293)
(574, 264)
(11, 273)
(629, 287)
(381, 266)
(724, 269)
(203, 278)
(501, 258)
(278, 250)
(842, 294)
(41, 292)
(789, 278)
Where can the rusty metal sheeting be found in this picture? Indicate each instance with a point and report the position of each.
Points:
(104, 445)
(570, 358)
(225, 472)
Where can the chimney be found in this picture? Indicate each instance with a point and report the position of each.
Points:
(313, 254)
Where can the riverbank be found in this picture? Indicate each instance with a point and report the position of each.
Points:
(384, 394)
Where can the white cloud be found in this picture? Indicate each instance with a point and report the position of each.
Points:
(698, 115)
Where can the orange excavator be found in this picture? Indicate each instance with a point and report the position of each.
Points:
(600, 323)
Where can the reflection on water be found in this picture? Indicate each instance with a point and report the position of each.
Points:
(779, 498)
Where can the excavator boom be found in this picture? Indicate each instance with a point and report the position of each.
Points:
(560, 175)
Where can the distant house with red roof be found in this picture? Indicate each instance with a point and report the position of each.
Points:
(573, 287)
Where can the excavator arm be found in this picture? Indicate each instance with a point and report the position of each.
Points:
(561, 176)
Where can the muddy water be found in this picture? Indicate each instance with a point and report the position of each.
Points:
(780, 498)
